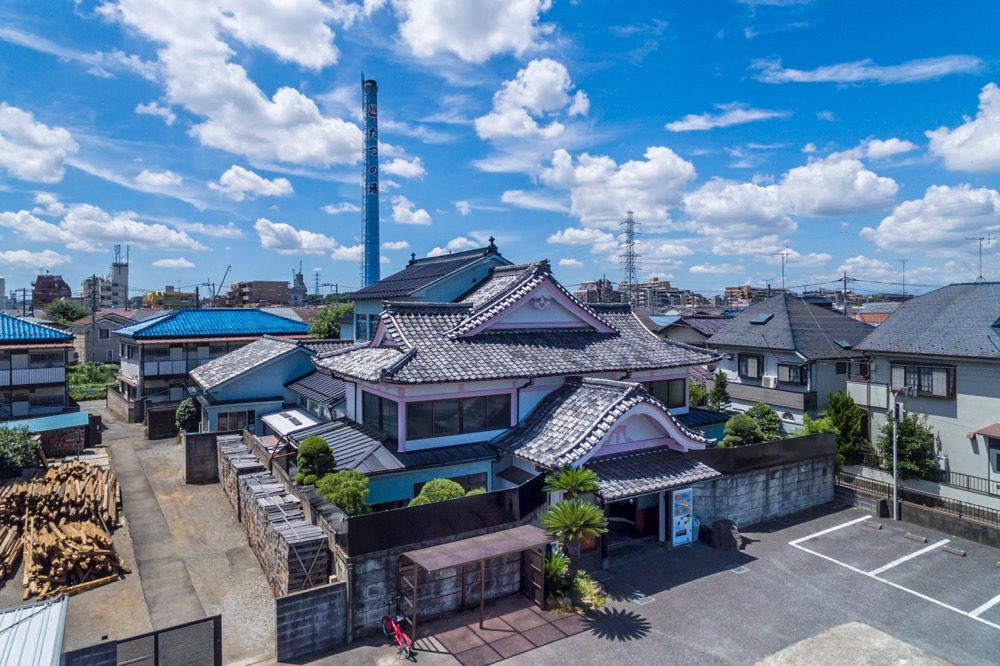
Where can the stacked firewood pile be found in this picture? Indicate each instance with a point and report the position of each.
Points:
(60, 523)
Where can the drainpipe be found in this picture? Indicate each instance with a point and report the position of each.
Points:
(517, 415)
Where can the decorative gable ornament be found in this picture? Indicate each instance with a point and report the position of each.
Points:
(541, 301)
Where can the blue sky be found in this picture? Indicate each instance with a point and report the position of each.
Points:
(845, 135)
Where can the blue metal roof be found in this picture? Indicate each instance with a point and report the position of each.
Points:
(214, 322)
(32, 635)
(17, 329)
(50, 423)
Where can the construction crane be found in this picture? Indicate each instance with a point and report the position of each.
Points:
(215, 295)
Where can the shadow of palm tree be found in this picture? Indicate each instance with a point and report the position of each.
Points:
(617, 624)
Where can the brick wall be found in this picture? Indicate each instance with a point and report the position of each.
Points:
(310, 621)
(64, 442)
(752, 497)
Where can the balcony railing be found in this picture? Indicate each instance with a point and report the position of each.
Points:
(776, 398)
(157, 368)
(33, 376)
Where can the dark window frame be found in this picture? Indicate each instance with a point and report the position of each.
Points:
(921, 377)
(382, 419)
(742, 365)
(495, 417)
(671, 384)
(794, 373)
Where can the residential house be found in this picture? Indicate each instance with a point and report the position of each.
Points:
(514, 377)
(104, 348)
(787, 353)
(33, 361)
(268, 376)
(694, 329)
(946, 346)
(434, 279)
(874, 313)
(157, 354)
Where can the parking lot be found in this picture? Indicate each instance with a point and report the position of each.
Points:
(820, 589)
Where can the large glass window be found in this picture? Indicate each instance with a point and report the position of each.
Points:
(380, 413)
(438, 418)
(245, 420)
(672, 392)
(792, 374)
(928, 380)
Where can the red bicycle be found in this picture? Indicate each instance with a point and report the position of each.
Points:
(392, 628)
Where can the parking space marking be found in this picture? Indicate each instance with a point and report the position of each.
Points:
(985, 607)
(908, 557)
(828, 530)
(972, 614)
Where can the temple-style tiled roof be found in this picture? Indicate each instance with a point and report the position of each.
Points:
(652, 470)
(570, 422)
(788, 323)
(319, 387)
(220, 370)
(421, 273)
(214, 322)
(15, 329)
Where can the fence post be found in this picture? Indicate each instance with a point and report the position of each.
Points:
(217, 631)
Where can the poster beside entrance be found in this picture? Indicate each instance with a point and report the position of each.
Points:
(682, 517)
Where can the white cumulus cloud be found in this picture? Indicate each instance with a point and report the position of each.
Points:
(286, 239)
(343, 207)
(716, 269)
(836, 186)
(542, 88)
(27, 261)
(734, 113)
(395, 245)
(403, 212)
(571, 263)
(455, 245)
(238, 184)
(154, 109)
(31, 150)
(180, 262)
(975, 145)
(157, 179)
(405, 168)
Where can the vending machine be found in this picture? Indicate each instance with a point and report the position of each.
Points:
(682, 517)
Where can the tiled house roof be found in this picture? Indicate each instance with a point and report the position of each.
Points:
(634, 474)
(319, 387)
(429, 342)
(15, 329)
(220, 370)
(216, 322)
(793, 325)
(570, 422)
(422, 273)
(957, 320)
(704, 324)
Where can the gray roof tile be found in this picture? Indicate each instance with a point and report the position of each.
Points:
(319, 387)
(421, 273)
(634, 474)
(222, 369)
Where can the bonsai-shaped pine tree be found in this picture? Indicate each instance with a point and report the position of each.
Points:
(315, 460)
(718, 397)
(742, 430)
(438, 490)
(348, 489)
(768, 421)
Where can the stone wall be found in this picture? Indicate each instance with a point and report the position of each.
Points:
(310, 621)
(130, 412)
(752, 497)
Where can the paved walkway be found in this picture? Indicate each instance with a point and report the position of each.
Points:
(166, 583)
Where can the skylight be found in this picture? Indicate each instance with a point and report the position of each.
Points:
(762, 319)
(844, 343)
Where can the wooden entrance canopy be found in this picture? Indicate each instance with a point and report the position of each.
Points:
(469, 551)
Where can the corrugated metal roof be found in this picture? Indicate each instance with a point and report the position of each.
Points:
(697, 417)
(16, 329)
(50, 423)
(32, 635)
(214, 321)
(319, 387)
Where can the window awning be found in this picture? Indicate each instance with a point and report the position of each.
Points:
(289, 420)
(643, 472)
(990, 431)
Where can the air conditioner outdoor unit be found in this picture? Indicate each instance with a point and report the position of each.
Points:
(769, 381)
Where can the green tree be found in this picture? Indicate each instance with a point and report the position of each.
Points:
(846, 418)
(570, 521)
(325, 326)
(315, 460)
(187, 417)
(741, 430)
(768, 421)
(18, 449)
(90, 381)
(438, 490)
(63, 312)
(811, 426)
(915, 446)
(348, 489)
(696, 394)
(718, 397)
(574, 481)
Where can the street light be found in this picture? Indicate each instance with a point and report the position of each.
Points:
(897, 416)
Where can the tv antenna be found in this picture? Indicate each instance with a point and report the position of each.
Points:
(989, 239)
(784, 254)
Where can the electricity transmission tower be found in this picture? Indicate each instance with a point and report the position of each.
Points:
(629, 258)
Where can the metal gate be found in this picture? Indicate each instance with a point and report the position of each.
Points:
(197, 643)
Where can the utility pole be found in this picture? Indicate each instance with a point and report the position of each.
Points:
(989, 239)
(903, 261)
(93, 318)
(898, 413)
(845, 292)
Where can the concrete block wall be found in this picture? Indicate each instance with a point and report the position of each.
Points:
(753, 497)
(310, 621)
(201, 462)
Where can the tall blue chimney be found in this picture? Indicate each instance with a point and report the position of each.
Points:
(370, 256)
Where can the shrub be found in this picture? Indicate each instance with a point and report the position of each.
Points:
(696, 394)
(348, 489)
(846, 418)
(767, 420)
(438, 490)
(557, 573)
(476, 491)
(586, 589)
(915, 446)
(325, 325)
(742, 430)
(718, 397)
(18, 449)
(187, 416)
(315, 460)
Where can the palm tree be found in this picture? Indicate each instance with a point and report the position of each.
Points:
(571, 520)
(571, 480)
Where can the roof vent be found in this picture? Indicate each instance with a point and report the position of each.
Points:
(844, 343)
(762, 319)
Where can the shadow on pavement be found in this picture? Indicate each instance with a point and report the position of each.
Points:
(617, 624)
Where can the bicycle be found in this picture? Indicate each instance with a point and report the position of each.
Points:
(392, 628)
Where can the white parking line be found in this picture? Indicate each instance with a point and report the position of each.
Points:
(828, 530)
(909, 557)
(985, 607)
(972, 614)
